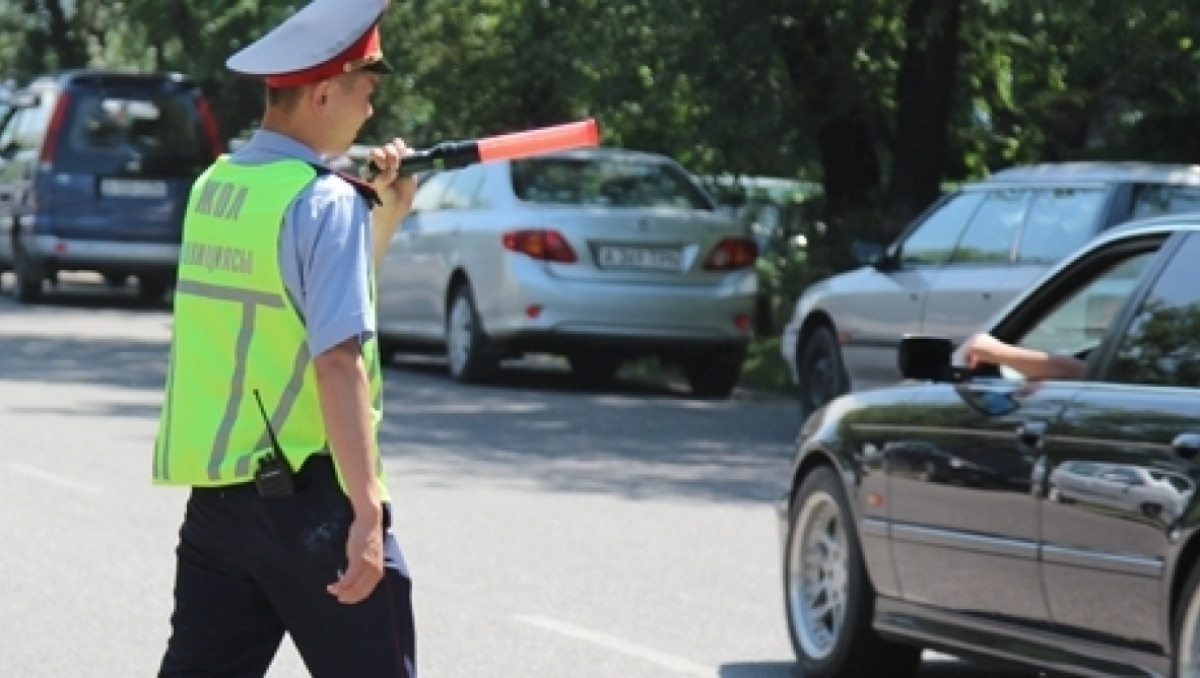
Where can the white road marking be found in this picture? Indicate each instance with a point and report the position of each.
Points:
(677, 664)
(55, 479)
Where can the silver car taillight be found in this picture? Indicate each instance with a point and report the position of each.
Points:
(541, 244)
(731, 254)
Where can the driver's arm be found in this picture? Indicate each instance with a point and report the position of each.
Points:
(1034, 364)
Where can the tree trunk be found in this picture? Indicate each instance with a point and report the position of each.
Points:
(850, 164)
(924, 92)
(69, 50)
(825, 85)
(181, 15)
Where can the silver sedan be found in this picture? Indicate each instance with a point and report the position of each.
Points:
(599, 255)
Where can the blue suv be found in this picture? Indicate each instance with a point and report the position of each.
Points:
(95, 171)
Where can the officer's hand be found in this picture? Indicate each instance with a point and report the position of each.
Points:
(395, 192)
(364, 553)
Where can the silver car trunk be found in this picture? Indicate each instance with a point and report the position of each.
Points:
(643, 245)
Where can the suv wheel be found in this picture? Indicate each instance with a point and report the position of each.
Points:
(821, 374)
(829, 599)
(30, 278)
(466, 344)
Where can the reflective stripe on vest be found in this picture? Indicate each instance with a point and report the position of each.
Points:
(238, 336)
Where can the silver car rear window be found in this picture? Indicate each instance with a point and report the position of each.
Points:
(606, 182)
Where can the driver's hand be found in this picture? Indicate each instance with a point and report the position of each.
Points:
(982, 348)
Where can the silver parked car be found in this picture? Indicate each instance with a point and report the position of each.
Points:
(1155, 493)
(963, 261)
(598, 255)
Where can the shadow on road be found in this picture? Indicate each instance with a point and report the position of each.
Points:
(760, 670)
(940, 668)
(85, 291)
(637, 438)
(553, 376)
(88, 360)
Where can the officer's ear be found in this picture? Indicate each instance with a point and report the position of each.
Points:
(319, 96)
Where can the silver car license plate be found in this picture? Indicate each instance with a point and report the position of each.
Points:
(652, 258)
(132, 188)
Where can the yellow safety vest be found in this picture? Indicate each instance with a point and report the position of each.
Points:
(238, 339)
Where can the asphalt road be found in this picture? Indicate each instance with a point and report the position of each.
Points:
(551, 531)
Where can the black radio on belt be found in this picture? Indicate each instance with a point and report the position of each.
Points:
(273, 477)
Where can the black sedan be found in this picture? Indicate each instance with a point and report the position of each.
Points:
(957, 510)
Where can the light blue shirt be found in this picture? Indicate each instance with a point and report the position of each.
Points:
(325, 248)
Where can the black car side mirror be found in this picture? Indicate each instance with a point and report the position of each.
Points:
(926, 358)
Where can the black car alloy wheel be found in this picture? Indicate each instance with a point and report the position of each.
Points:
(828, 594)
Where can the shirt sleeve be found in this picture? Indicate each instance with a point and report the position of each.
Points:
(326, 259)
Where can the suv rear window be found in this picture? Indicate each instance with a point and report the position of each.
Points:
(606, 182)
(131, 132)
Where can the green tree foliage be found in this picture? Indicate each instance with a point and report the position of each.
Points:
(1088, 79)
(884, 101)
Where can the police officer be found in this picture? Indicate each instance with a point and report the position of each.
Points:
(273, 391)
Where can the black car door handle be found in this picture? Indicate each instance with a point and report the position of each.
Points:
(1186, 445)
(1030, 433)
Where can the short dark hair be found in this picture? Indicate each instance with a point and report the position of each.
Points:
(283, 97)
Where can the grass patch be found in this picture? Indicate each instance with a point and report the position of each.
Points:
(764, 369)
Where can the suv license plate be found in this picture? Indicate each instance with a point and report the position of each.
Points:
(652, 258)
(132, 188)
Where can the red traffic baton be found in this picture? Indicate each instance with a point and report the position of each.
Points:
(455, 154)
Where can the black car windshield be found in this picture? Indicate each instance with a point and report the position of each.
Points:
(151, 133)
(606, 182)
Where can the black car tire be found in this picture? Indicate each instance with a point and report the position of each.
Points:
(30, 278)
(593, 367)
(1185, 627)
(715, 374)
(467, 354)
(821, 374)
(823, 553)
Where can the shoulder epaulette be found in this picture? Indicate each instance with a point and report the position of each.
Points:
(361, 187)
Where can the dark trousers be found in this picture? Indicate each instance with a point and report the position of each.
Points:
(250, 569)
